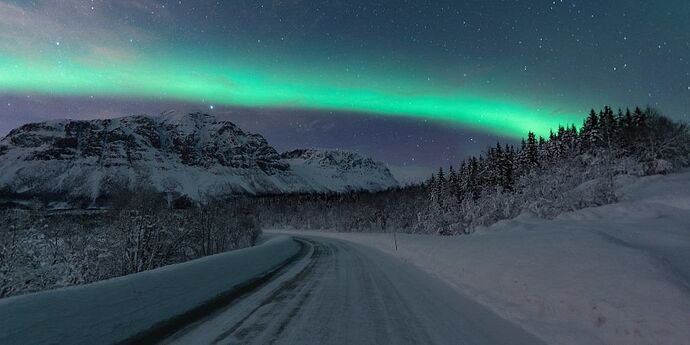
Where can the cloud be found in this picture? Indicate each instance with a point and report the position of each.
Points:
(66, 28)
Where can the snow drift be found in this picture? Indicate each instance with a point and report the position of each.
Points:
(113, 310)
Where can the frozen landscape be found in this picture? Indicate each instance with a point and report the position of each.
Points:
(583, 237)
(615, 274)
(357, 172)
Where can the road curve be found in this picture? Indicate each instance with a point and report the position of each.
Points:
(344, 293)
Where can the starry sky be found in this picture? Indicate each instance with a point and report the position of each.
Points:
(414, 83)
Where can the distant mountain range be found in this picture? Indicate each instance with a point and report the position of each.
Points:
(192, 155)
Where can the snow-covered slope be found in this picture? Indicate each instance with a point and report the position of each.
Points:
(114, 310)
(193, 154)
(615, 274)
(339, 170)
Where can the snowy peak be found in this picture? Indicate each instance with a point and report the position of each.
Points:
(344, 160)
(195, 155)
(193, 140)
(340, 170)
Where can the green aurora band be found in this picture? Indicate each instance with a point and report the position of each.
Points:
(245, 85)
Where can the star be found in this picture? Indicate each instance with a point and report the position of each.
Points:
(426, 61)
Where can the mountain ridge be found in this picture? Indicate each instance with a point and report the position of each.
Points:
(193, 155)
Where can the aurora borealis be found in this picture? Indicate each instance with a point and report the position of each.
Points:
(483, 68)
(247, 86)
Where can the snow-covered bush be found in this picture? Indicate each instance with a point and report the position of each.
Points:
(44, 250)
(658, 166)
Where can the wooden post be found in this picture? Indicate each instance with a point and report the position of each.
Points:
(395, 240)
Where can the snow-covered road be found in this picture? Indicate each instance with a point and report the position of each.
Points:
(344, 293)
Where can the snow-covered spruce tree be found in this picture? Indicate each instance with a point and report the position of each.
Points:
(590, 132)
(453, 183)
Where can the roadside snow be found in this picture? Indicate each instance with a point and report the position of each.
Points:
(616, 274)
(114, 310)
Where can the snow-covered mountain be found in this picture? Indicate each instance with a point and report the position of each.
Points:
(338, 170)
(194, 155)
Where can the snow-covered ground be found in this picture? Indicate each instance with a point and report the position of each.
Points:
(113, 310)
(616, 274)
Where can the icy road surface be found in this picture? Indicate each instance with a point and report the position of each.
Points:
(343, 293)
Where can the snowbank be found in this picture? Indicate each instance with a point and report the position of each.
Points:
(616, 274)
(116, 309)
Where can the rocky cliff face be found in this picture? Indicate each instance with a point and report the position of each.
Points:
(194, 155)
(192, 140)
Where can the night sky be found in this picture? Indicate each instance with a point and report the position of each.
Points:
(413, 83)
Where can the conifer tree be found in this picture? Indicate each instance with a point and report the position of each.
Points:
(462, 181)
(628, 119)
(452, 188)
(508, 179)
(472, 179)
(531, 152)
(639, 118)
(590, 131)
(440, 185)
(433, 189)
(607, 125)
